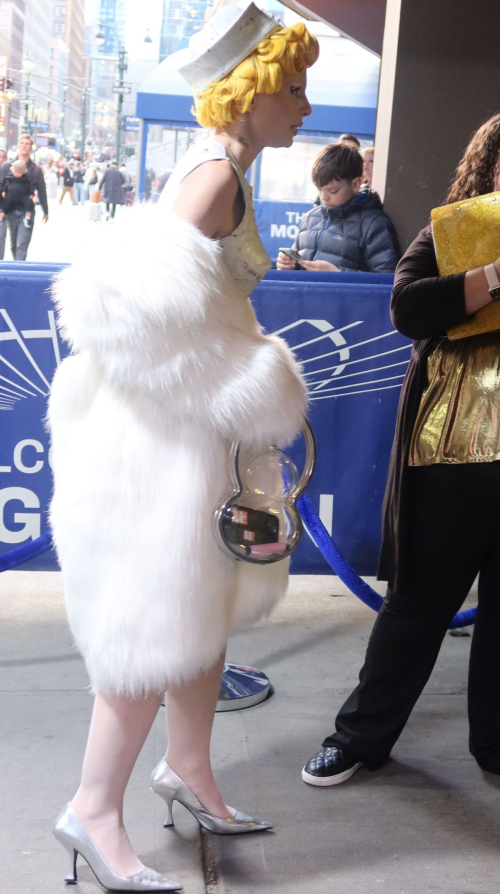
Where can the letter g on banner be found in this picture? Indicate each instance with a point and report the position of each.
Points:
(30, 521)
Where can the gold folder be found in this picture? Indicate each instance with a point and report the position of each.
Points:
(467, 235)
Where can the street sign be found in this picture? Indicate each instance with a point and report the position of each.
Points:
(131, 123)
(121, 89)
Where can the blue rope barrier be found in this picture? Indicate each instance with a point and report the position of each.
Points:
(346, 572)
(25, 552)
(320, 536)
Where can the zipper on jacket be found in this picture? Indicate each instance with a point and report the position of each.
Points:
(327, 224)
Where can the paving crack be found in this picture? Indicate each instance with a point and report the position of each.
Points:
(208, 863)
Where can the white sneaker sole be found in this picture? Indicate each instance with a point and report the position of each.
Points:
(330, 780)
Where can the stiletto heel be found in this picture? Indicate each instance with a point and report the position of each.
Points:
(71, 878)
(71, 834)
(170, 787)
(170, 817)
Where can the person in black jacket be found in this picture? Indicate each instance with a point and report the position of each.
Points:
(68, 183)
(348, 230)
(20, 235)
(15, 193)
(112, 189)
(441, 526)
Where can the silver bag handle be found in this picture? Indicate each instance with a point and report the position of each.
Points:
(223, 512)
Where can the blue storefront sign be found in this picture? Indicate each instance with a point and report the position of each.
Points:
(131, 123)
(278, 223)
(354, 363)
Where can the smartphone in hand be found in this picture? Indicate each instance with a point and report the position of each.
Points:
(290, 253)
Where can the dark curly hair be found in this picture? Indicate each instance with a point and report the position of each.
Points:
(475, 174)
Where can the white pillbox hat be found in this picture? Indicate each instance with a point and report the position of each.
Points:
(225, 41)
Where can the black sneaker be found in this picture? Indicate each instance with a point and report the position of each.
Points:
(330, 766)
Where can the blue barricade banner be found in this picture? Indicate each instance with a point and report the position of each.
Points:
(30, 349)
(278, 223)
(354, 362)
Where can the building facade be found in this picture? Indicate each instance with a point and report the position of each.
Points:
(179, 22)
(69, 26)
(37, 39)
(58, 72)
(110, 21)
(12, 17)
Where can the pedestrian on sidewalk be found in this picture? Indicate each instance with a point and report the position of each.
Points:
(16, 204)
(36, 178)
(90, 180)
(15, 192)
(171, 366)
(51, 181)
(68, 181)
(112, 189)
(441, 526)
(79, 181)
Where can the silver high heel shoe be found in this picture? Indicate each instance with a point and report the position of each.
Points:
(70, 832)
(171, 788)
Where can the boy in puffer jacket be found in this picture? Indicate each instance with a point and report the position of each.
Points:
(349, 229)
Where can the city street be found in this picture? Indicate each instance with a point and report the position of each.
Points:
(60, 238)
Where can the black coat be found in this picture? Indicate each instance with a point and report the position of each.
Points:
(112, 187)
(357, 235)
(17, 194)
(37, 181)
(68, 179)
(423, 306)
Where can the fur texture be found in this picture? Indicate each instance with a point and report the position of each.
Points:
(170, 365)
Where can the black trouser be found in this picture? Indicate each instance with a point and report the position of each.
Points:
(454, 534)
(111, 205)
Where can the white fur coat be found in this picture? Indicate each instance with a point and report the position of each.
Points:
(169, 365)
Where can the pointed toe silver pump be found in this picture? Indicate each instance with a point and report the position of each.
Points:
(170, 787)
(70, 833)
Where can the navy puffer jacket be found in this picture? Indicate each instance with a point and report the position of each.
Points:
(357, 235)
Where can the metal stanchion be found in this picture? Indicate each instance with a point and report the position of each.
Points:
(242, 687)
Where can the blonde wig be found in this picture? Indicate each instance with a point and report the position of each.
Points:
(287, 51)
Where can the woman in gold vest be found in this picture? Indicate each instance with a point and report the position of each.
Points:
(441, 521)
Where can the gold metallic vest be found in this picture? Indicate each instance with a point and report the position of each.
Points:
(459, 415)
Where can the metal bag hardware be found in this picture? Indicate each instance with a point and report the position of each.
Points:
(259, 521)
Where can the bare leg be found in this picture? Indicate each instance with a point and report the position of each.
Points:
(118, 731)
(190, 715)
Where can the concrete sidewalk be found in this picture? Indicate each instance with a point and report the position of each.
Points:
(427, 822)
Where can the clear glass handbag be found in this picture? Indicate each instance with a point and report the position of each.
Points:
(259, 521)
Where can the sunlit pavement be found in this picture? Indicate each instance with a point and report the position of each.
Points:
(426, 823)
(61, 237)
